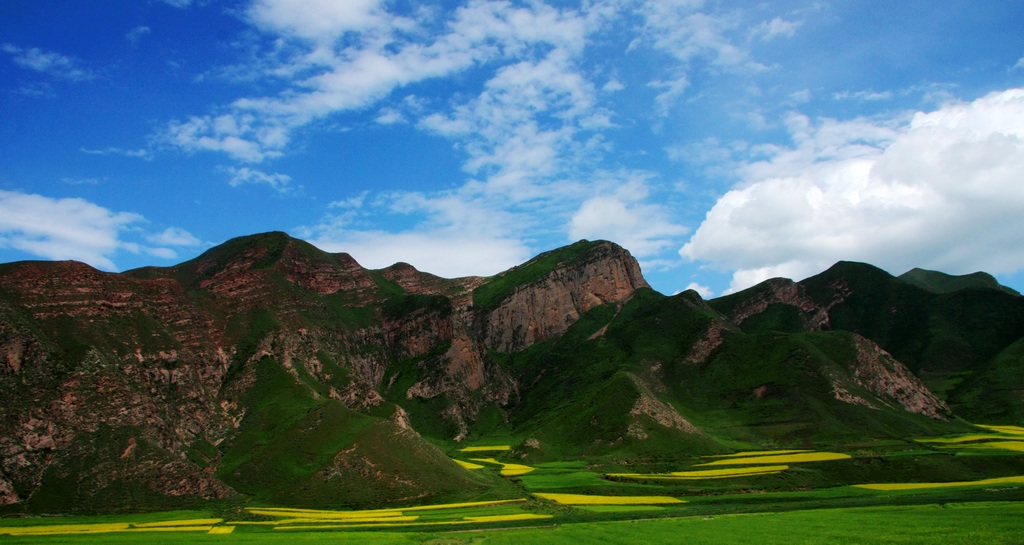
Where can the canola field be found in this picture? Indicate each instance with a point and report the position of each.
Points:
(208, 525)
(762, 462)
(577, 493)
(589, 499)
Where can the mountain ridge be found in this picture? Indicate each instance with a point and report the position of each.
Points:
(268, 369)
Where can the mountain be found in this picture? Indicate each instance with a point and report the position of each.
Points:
(939, 282)
(267, 370)
(951, 339)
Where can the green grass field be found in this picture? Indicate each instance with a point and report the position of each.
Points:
(969, 523)
(943, 492)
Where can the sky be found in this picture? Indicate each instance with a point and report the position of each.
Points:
(721, 142)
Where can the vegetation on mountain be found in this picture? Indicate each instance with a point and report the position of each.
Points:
(268, 372)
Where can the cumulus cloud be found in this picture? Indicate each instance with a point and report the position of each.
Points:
(937, 189)
(73, 228)
(316, 19)
(626, 219)
(62, 228)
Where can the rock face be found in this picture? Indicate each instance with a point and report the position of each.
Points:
(547, 307)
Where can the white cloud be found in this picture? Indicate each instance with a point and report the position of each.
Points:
(136, 34)
(777, 27)
(863, 95)
(704, 291)
(178, 3)
(140, 153)
(624, 218)
(241, 136)
(1019, 65)
(62, 228)
(316, 19)
(245, 175)
(174, 236)
(939, 190)
(50, 63)
(691, 35)
(446, 253)
(390, 116)
(384, 52)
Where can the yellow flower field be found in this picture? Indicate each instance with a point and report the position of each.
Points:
(584, 499)
(65, 529)
(186, 522)
(705, 473)
(963, 438)
(920, 486)
(463, 521)
(1012, 430)
(1001, 445)
(757, 453)
(191, 525)
(469, 465)
(507, 470)
(493, 448)
(780, 459)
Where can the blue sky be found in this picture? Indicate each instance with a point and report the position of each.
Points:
(722, 143)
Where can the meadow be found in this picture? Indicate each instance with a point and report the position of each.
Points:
(779, 496)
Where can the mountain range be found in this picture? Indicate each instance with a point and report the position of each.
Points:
(268, 370)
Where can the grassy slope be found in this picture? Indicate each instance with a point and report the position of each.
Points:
(287, 447)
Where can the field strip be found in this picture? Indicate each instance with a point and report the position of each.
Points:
(117, 527)
(967, 438)
(998, 445)
(58, 529)
(168, 529)
(469, 465)
(704, 473)
(466, 520)
(780, 459)
(508, 470)
(221, 530)
(1012, 430)
(920, 486)
(464, 504)
(586, 499)
(186, 522)
(286, 513)
(335, 520)
(757, 453)
(324, 514)
(482, 448)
